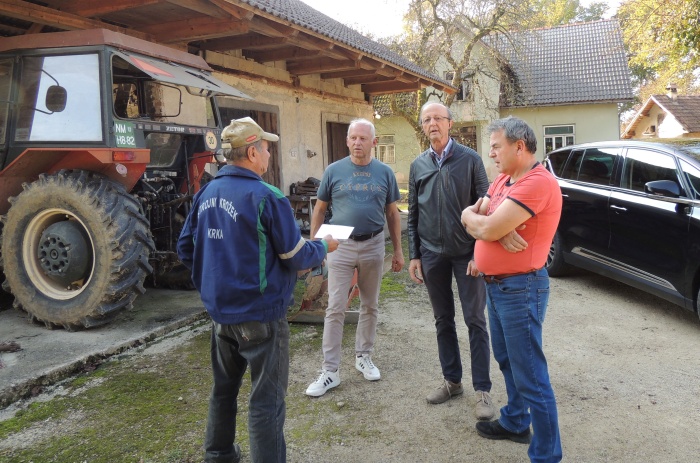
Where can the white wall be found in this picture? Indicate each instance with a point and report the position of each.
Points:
(304, 108)
(592, 122)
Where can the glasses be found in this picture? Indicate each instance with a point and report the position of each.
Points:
(437, 119)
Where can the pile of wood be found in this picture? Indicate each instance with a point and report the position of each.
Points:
(308, 187)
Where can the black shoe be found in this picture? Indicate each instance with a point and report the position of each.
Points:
(494, 430)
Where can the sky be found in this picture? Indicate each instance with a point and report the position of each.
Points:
(381, 18)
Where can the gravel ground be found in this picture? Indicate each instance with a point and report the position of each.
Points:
(624, 366)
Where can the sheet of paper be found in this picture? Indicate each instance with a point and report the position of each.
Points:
(339, 232)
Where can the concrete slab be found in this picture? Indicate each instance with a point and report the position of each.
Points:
(48, 356)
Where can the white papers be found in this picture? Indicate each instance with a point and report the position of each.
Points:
(339, 232)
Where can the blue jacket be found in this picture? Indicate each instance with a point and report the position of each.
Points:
(244, 248)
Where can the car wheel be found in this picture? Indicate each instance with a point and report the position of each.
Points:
(555, 259)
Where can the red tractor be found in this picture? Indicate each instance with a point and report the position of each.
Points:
(104, 138)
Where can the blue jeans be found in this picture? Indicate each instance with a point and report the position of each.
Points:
(517, 306)
(438, 270)
(265, 347)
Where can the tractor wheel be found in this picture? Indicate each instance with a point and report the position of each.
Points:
(75, 249)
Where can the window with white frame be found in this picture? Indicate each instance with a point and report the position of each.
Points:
(557, 136)
(386, 149)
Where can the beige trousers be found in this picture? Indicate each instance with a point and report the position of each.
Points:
(368, 258)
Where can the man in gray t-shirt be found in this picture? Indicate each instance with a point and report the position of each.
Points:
(362, 191)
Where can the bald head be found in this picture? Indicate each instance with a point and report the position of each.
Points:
(436, 120)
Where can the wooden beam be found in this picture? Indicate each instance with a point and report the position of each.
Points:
(282, 54)
(6, 30)
(318, 66)
(34, 13)
(249, 41)
(393, 86)
(204, 7)
(350, 73)
(271, 28)
(365, 79)
(34, 28)
(234, 10)
(408, 78)
(97, 8)
(200, 28)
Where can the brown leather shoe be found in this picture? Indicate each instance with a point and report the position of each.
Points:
(484, 406)
(445, 392)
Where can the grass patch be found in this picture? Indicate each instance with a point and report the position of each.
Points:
(151, 408)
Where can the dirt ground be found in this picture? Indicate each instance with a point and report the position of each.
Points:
(624, 366)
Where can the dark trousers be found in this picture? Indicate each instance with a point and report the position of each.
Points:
(438, 270)
(265, 347)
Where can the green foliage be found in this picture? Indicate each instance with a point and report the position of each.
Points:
(550, 13)
(448, 34)
(662, 37)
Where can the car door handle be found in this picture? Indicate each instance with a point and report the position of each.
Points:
(618, 208)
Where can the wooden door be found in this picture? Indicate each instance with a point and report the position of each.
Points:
(337, 145)
(269, 123)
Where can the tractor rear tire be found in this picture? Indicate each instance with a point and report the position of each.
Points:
(75, 248)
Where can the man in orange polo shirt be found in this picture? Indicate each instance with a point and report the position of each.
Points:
(527, 198)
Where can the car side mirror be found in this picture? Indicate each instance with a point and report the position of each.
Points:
(663, 188)
(56, 97)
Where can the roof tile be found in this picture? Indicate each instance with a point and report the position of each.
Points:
(303, 15)
(685, 108)
(575, 63)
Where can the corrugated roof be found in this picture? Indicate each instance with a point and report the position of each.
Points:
(303, 15)
(575, 63)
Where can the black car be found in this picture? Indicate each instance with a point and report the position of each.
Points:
(631, 212)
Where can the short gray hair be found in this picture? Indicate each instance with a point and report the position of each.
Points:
(240, 153)
(362, 121)
(428, 103)
(515, 129)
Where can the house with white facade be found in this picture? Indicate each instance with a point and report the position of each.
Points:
(566, 82)
(666, 116)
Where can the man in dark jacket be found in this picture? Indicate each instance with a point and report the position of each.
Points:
(244, 248)
(444, 180)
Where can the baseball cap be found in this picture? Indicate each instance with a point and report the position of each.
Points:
(242, 132)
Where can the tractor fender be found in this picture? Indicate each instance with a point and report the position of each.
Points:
(119, 165)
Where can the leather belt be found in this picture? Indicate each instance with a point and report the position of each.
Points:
(367, 236)
(501, 277)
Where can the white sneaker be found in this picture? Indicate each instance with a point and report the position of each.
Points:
(326, 380)
(365, 366)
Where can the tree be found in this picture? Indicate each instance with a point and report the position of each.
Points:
(663, 39)
(451, 33)
(549, 13)
(450, 30)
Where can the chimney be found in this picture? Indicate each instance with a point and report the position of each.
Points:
(672, 91)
